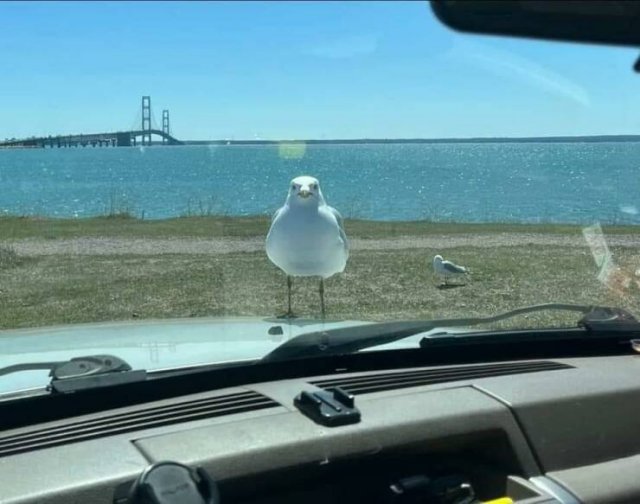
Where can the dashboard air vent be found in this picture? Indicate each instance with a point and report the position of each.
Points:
(133, 420)
(364, 384)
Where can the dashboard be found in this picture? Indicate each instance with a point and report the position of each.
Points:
(536, 431)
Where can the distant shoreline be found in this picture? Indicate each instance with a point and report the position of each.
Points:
(364, 141)
(391, 141)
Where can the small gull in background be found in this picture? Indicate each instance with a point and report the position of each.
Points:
(447, 269)
(307, 237)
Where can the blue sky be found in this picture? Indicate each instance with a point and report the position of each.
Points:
(295, 70)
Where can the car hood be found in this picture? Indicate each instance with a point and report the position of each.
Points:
(160, 344)
(150, 344)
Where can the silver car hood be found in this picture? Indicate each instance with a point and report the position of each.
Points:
(158, 344)
(149, 344)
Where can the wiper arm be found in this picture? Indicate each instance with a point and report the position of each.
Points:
(595, 319)
(82, 373)
(29, 366)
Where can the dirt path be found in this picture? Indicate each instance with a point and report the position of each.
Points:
(153, 246)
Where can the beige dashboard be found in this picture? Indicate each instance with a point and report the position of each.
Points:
(564, 433)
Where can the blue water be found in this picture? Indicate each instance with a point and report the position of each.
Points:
(501, 182)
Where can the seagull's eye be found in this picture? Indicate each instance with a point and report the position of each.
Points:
(314, 186)
(293, 186)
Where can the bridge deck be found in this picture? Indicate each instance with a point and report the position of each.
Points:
(116, 138)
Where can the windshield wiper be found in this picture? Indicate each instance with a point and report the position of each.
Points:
(82, 373)
(595, 320)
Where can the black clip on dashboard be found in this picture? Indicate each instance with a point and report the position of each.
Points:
(332, 407)
(169, 483)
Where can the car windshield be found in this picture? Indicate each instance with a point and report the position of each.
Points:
(198, 182)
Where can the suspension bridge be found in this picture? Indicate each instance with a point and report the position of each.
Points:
(141, 133)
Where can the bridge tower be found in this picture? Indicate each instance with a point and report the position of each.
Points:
(146, 120)
(165, 125)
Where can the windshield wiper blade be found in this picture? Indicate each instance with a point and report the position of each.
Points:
(80, 373)
(595, 320)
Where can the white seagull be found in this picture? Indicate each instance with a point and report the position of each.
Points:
(446, 269)
(307, 236)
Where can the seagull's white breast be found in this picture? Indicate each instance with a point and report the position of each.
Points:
(307, 242)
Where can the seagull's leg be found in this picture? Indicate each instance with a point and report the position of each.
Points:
(289, 314)
(289, 284)
(321, 290)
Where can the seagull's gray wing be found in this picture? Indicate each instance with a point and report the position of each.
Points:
(276, 213)
(338, 217)
(453, 268)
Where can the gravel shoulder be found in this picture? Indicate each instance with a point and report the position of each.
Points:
(215, 246)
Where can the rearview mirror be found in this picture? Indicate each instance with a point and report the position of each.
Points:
(600, 22)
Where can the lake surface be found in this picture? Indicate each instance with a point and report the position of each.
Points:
(495, 182)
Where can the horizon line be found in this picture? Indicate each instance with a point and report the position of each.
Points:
(553, 138)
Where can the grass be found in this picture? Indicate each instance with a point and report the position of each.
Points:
(8, 257)
(377, 284)
(123, 224)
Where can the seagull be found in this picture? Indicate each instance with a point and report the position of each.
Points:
(307, 237)
(446, 269)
